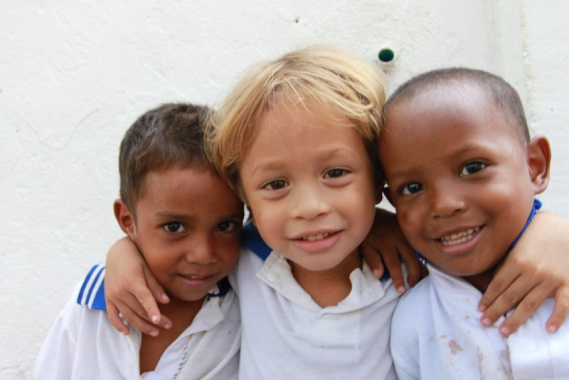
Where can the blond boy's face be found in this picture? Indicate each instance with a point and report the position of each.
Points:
(458, 177)
(309, 183)
(188, 228)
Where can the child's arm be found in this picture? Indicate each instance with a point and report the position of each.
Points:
(534, 270)
(131, 289)
(384, 245)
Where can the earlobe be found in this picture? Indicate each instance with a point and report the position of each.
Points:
(124, 218)
(539, 159)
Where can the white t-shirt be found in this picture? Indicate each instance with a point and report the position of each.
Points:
(286, 335)
(436, 334)
(83, 344)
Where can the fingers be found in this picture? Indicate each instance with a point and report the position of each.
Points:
(144, 304)
(114, 318)
(526, 308)
(393, 265)
(501, 281)
(133, 313)
(414, 266)
(508, 287)
(373, 260)
(156, 289)
(561, 309)
(147, 294)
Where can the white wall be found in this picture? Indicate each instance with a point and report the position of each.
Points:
(75, 74)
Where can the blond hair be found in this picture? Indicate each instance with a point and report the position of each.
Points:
(332, 78)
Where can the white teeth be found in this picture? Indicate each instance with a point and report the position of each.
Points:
(316, 237)
(459, 237)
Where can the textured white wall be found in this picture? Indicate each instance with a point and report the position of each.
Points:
(75, 74)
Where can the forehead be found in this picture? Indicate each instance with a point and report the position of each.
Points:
(291, 113)
(302, 133)
(439, 124)
(174, 187)
(449, 108)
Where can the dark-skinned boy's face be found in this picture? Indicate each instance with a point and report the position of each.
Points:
(458, 177)
(188, 228)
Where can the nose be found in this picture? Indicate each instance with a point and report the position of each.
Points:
(201, 249)
(446, 201)
(309, 202)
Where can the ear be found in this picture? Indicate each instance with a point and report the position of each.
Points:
(124, 218)
(387, 193)
(539, 159)
(379, 188)
(251, 218)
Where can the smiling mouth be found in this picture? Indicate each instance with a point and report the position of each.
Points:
(459, 237)
(316, 237)
(196, 277)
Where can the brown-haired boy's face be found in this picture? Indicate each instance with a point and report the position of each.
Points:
(188, 228)
(458, 177)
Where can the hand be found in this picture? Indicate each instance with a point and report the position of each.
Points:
(131, 289)
(385, 244)
(535, 269)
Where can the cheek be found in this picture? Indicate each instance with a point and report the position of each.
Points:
(410, 221)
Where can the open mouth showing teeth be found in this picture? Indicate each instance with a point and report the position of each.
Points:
(193, 277)
(459, 237)
(316, 237)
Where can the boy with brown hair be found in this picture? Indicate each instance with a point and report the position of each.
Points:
(186, 222)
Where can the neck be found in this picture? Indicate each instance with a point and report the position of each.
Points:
(328, 287)
(481, 280)
(182, 314)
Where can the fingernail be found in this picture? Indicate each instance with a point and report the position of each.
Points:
(154, 319)
(154, 333)
(552, 329)
(486, 322)
(165, 297)
(167, 326)
(401, 289)
(482, 308)
(124, 332)
(376, 273)
(504, 331)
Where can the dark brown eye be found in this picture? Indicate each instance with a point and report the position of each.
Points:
(471, 168)
(174, 227)
(411, 188)
(277, 184)
(334, 173)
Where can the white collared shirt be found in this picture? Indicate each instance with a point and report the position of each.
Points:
(83, 344)
(286, 335)
(436, 334)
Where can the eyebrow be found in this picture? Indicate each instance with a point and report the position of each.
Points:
(324, 155)
(464, 150)
(175, 216)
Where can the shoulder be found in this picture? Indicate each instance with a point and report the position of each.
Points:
(416, 297)
(413, 312)
(92, 290)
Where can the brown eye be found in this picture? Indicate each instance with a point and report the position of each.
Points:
(471, 168)
(334, 173)
(226, 226)
(174, 227)
(277, 184)
(411, 188)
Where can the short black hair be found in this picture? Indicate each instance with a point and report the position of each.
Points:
(505, 97)
(169, 136)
